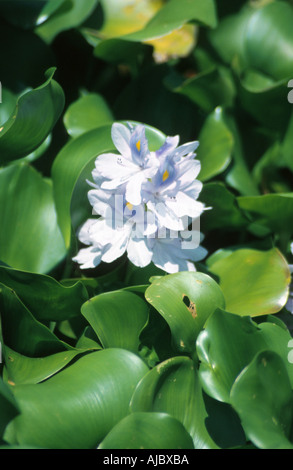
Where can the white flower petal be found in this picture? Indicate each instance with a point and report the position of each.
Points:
(88, 257)
(84, 233)
(118, 244)
(183, 205)
(139, 253)
(121, 138)
(166, 217)
(114, 167)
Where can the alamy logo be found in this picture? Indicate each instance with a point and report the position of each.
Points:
(290, 94)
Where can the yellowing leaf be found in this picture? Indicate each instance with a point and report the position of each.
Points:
(178, 43)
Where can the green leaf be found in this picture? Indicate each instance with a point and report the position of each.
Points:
(117, 318)
(225, 213)
(229, 343)
(208, 89)
(87, 113)
(272, 211)
(76, 408)
(7, 104)
(262, 396)
(145, 22)
(239, 176)
(30, 238)
(22, 332)
(173, 15)
(185, 300)
(253, 282)
(216, 145)
(8, 406)
(29, 125)
(228, 38)
(148, 431)
(268, 40)
(46, 298)
(20, 369)
(173, 387)
(71, 14)
(258, 95)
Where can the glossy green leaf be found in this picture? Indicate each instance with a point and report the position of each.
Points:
(46, 298)
(7, 104)
(76, 408)
(253, 282)
(208, 89)
(269, 210)
(78, 156)
(20, 369)
(30, 238)
(148, 431)
(259, 95)
(87, 113)
(216, 145)
(8, 405)
(173, 387)
(229, 343)
(28, 126)
(22, 332)
(228, 38)
(120, 51)
(117, 318)
(185, 300)
(70, 14)
(239, 176)
(225, 213)
(262, 396)
(268, 40)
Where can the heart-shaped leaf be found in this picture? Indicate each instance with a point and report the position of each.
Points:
(185, 300)
(117, 318)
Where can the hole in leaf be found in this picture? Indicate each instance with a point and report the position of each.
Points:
(191, 307)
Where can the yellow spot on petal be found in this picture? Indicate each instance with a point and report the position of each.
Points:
(138, 145)
(129, 206)
(165, 175)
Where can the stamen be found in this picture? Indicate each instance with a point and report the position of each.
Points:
(165, 175)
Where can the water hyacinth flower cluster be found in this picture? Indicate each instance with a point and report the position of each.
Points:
(147, 203)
